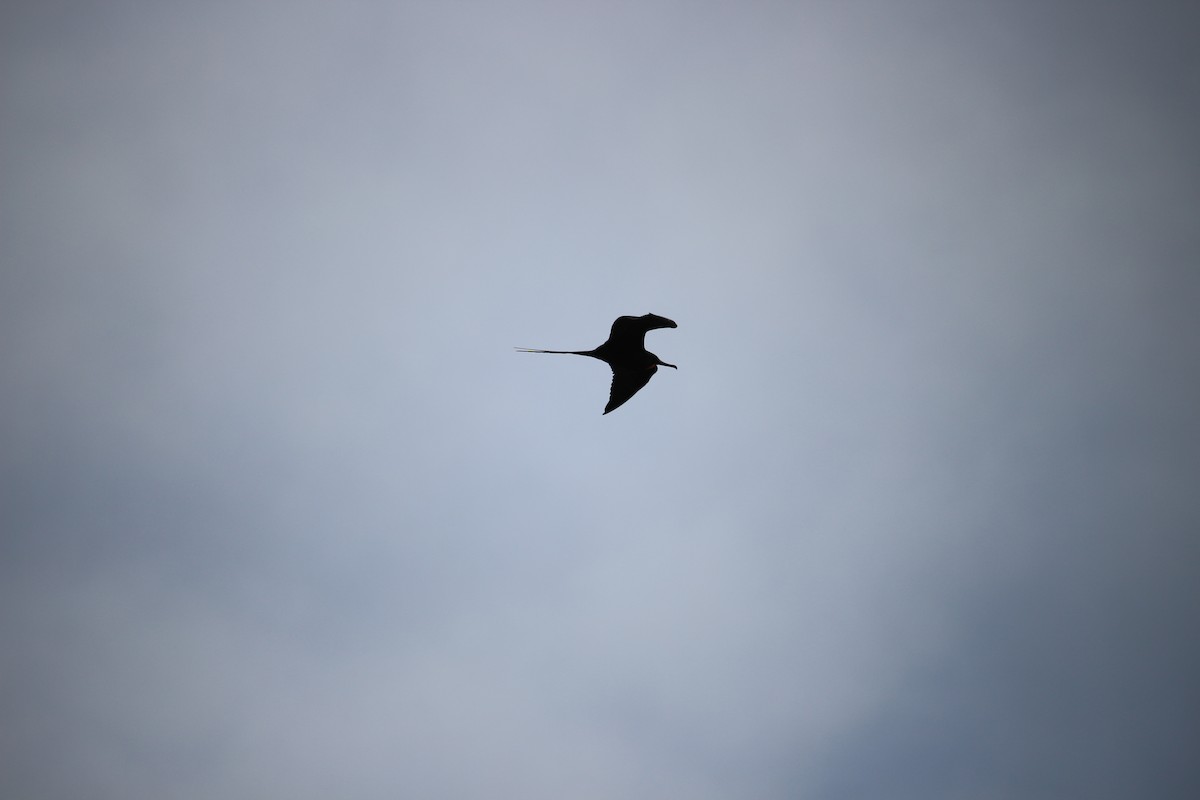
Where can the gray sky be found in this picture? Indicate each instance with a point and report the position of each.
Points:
(284, 516)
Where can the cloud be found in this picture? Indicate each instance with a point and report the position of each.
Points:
(284, 515)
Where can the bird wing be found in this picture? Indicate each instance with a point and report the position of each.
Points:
(634, 328)
(626, 328)
(626, 383)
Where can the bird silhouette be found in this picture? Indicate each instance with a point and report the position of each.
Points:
(625, 351)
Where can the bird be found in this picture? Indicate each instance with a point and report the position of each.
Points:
(625, 352)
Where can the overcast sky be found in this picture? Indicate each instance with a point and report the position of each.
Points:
(285, 516)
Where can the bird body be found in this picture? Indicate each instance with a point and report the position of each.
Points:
(625, 352)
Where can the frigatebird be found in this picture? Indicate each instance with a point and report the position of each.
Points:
(625, 351)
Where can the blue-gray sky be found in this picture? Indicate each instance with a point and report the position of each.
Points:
(284, 516)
